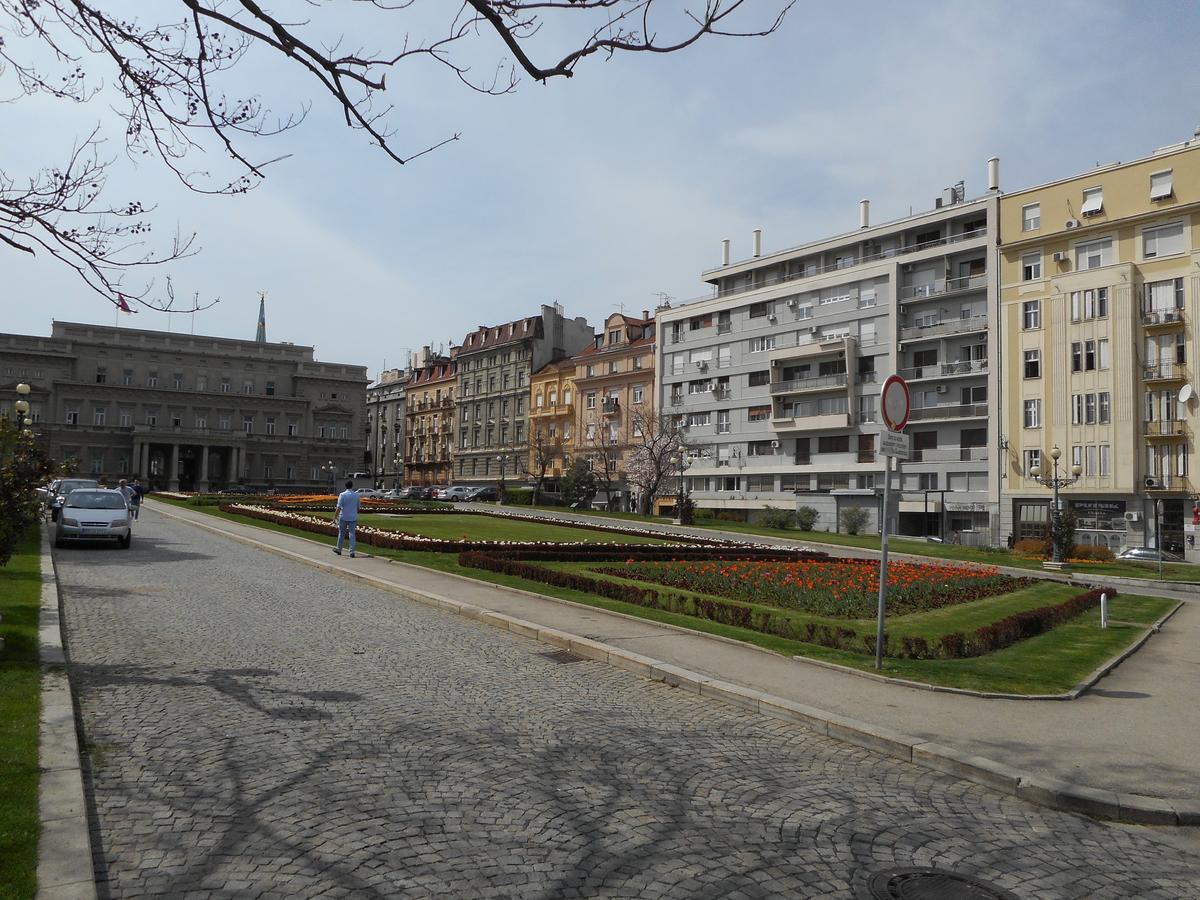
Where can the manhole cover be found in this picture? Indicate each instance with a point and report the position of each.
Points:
(933, 884)
(562, 656)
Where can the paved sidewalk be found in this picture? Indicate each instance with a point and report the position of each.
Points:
(1145, 587)
(1134, 733)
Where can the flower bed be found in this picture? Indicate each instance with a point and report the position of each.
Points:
(846, 588)
(780, 622)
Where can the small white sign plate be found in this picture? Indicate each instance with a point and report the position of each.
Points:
(895, 443)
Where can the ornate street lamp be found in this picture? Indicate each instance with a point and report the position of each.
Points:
(500, 495)
(1056, 482)
(21, 407)
(680, 459)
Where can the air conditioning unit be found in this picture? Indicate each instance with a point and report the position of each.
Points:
(1071, 223)
(1151, 482)
(1059, 256)
(774, 445)
(771, 317)
(1133, 517)
(942, 388)
(1152, 318)
(792, 303)
(701, 365)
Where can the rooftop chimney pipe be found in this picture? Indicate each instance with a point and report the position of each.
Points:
(756, 242)
(994, 173)
(864, 213)
(725, 252)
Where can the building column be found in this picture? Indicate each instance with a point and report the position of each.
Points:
(235, 464)
(173, 478)
(202, 483)
(144, 462)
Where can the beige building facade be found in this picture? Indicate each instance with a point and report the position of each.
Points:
(188, 412)
(430, 422)
(552, 419)
(1100, 290)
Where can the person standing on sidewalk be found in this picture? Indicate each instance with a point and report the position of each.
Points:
(347, 517)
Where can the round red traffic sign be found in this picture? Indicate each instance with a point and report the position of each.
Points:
(894, 402)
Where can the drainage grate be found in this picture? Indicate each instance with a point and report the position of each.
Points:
(933, 884)
(562, 656)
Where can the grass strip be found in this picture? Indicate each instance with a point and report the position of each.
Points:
(20, 702)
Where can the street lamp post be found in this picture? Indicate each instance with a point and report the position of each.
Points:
(328, 468)
(21, 407)
(500, 494)
(681, 460)
(1056, 482)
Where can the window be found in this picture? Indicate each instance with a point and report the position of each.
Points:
(755, 379)
(1093, 202)
(804, 311)
(866, 333)
(1077, 409)
(1091, 304)
(758, 414)
(98, 416)
(1031, 266)
(723, 422)
(639, 393)
(1089, 409)
(1160, 185)
(223, 423)
(125, 419)
(1102, 353)
(152, 380)
(248, 424)
(293, 429)
(225, 386)
(724, 325)
(1105, 467)
(590, 400)
(637, 363)
(1089, 356)
(1162, 296)
(1031, 314)
(1076, 356)
(759, 344)
(1166, 240)
(1033, 459)
(614, 336)
(201, 423)
(270, 389)
(127, 377)
(1094, 254)
(1104, 402)
(758, 310)
(101, 374)
(151, 419)
(865, 299)
(270, 425)
(834, 443)
(177, 381)
(724, 357)
(1031, 217)
(201, 382)
(248, 387)
(1033, 363)
(1033, 414)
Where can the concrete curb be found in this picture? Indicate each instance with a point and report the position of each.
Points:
(64, 869)
(1132, 808)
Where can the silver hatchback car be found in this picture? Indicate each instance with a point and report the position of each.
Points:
(94, 514)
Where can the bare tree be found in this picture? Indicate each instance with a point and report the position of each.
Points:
(165, 73)
(543, 450)
(604, 453)
(656, 440)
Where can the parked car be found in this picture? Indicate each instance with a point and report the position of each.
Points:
(371, 494)
(64, 489)
(1148, 554)
(456, 494)
(237, 489)
(479, 495)
(89, 514)
(435, 492)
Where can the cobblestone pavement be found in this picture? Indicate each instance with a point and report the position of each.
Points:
(261, 729)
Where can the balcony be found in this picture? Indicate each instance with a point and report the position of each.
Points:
(807, 349)
(950, 454)
(1173, 483)
(945, 370)
(942, 287)
(1163, 319)
(805, 385)
(942, 329)
(810, 423)
(813, 271)
(1164, 372)
(611, 407)
(949, 411)
(1167, 428)
(722, 393)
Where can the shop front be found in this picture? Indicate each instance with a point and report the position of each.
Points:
(1100, 523)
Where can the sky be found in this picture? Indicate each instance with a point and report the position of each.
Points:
(613, 189)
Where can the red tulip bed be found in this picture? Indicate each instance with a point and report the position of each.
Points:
(845, 588)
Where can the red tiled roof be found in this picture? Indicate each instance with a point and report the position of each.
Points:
(593, 350)
(487, 336)
(436, 372)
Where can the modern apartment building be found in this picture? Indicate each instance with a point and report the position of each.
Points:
(495, 365)
(1100, 282)
(777, 375)
(430, 424)
(188, 412)
(552, 418)
(385, 427)
(614, 381)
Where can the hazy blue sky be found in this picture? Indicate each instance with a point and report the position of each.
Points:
(621, 182)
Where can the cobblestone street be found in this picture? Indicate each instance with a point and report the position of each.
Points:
(258, 728)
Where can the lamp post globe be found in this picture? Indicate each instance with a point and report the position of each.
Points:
(23, 389)
(1055, 482)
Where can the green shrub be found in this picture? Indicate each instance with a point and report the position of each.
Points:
(519, 496)
(783, 519)
(854, 519)
(687, 511)
(704, 513)
(806, 518)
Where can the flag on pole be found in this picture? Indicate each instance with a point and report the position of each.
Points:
(261, 336)
(123, 305)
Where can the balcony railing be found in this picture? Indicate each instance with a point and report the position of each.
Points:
(1165, 372)
(938, 329)
(813, 271)
(1162, 318)
(1165, 428)
(611, 407)
(950, 454)
(1168, 483)
(946, 370)
(817, 382)
(722, 393)
(943, 286)
(949, 411)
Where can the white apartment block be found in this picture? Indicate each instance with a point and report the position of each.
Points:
(777, 375)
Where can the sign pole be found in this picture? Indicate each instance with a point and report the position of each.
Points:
(883, 561)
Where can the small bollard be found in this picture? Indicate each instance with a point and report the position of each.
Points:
(1104, 610)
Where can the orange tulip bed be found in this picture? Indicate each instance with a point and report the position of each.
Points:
(837, 587)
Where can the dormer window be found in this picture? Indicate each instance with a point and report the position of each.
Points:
(1093, 202)
(614, 337)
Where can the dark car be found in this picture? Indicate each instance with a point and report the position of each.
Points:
(237, 489)
(485, 493)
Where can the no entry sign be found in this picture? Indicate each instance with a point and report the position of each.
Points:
(894, 402)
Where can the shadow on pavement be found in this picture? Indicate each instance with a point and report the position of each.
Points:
(145, 548)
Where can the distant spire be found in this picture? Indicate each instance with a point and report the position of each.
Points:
(261, 335)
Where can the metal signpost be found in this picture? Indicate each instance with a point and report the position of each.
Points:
(894, 406)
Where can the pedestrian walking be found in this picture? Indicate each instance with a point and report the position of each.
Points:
(135, 500)
(128, 493)
(347, 517)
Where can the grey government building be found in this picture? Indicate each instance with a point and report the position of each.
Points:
(188, 412)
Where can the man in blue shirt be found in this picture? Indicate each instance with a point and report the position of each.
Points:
(347, 517)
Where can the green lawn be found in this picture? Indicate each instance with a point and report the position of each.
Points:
(492, 528)
(1050, 663)
(20, 596)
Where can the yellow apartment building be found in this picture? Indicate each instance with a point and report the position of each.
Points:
(1099, 295)
(552, 418)
(614, 379)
